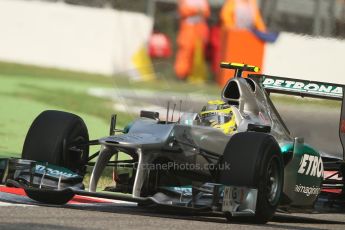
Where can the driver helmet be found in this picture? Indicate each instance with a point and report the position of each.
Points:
(219, 115)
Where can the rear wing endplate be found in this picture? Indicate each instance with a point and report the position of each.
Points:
(303, 88)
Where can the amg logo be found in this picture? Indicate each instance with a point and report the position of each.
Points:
(303, 86)
(311, 166)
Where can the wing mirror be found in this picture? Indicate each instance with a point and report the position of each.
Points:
(150, 114)
(259, 128)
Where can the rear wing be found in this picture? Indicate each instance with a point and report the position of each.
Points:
(299, 87)
(303, 88)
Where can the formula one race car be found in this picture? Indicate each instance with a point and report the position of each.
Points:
(236, 157)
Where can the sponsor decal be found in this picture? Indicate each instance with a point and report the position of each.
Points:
(307, 190)
(342, 126)
(304, 87)
(311, 166)
(234, 197)
(53, 172)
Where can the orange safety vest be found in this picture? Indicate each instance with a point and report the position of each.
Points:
(192, 36)
(193, 24)
(230, 9)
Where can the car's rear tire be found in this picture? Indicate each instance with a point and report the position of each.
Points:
(50, 137)
(255, 161)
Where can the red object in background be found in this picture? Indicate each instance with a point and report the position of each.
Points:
(213, 49)
(159, 46)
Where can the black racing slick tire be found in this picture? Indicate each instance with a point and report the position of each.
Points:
(255, 161)
(51, 138)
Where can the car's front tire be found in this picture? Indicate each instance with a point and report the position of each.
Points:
(51, 137)
(255, 161)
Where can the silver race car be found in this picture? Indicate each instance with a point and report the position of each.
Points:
(236, 157)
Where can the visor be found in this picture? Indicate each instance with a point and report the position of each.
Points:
(215, 118)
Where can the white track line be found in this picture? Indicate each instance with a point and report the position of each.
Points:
(5, 204)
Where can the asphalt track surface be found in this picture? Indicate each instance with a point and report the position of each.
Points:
(319, 127)
(124, 217)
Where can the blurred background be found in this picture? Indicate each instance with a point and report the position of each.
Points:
(98, 57)
(313, 17)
